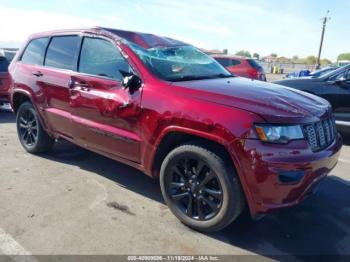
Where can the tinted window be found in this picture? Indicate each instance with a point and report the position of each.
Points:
(347, 76)
(254, 63)
(3, 63)
(100, 57)
(225, 62)
(235, 62)
(35, 51)
(62, 52)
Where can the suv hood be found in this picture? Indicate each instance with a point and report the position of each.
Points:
(275, 103)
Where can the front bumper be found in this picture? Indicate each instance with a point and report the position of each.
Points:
(268, 170)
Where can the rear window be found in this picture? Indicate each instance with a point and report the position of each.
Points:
(254, 64)
(62, 52)
(35, 51)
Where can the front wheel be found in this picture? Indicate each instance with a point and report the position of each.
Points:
(31, 134)
(200, 188)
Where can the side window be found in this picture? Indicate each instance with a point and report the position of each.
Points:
(347, 75)
(235, 62)
(62, 52)
(101, 58)
(35, 51)
(224, 61)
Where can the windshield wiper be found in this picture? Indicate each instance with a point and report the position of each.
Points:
(222, 76)
(198, 77)
(188, 78)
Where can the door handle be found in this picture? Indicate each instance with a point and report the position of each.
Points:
(72, 84)
(37, 74)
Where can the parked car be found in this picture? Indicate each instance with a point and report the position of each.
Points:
(217, 142)
(242, 66)
(333, 86)
(323, 71)
(343, 62)
(314, 74)
(300, 73)
(6, 55)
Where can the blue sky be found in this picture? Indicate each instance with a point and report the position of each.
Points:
(290, 27)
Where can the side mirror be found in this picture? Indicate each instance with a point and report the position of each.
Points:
(341, 80)
(132, 82)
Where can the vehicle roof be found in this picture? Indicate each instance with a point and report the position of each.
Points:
(231, 57)
(144, 40)
(336, 71)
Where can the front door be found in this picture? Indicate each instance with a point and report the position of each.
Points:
(339, 87)
(105, 114)
(343, 108)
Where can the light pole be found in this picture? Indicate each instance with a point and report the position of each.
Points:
(325, 20)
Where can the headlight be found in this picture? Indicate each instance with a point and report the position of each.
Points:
(278, 134)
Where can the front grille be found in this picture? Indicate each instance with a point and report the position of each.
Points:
(320, 134)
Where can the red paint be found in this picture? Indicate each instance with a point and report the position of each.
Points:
(4, 86)
(93, 115)
(244, 68)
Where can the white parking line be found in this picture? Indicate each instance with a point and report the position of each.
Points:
(13, 249)
(344, 160)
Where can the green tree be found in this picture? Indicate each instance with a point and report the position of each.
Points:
(325, 61)
(244, 53)
(344, 56)
(283, 59)
(274, 55)
(295, 58)
(256, 55)
(311, 60)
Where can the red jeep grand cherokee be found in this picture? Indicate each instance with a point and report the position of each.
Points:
(216, 142)
(242, 66)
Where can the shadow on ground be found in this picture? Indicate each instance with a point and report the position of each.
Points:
(7, 117)
(346, 138)
(319, 226)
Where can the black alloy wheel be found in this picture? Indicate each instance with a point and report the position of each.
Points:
(195, 189)
(28, 128)
(31, 134)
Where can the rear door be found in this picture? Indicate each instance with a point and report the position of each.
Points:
(106, 114)
(60, 62)
(25, 71)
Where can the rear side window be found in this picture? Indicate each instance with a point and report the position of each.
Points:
(35, 51)
(235, 62)
(254, 63)
(62, 52)
(225, 62)
(101, 58)
(3, 64)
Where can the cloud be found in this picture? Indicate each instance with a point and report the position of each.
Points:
(258, 25)
(35, 21)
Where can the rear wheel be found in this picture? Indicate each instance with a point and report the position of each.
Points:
(30, 131)
(200, 188)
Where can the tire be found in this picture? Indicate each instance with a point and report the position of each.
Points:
(207, 196)
(30, 132)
